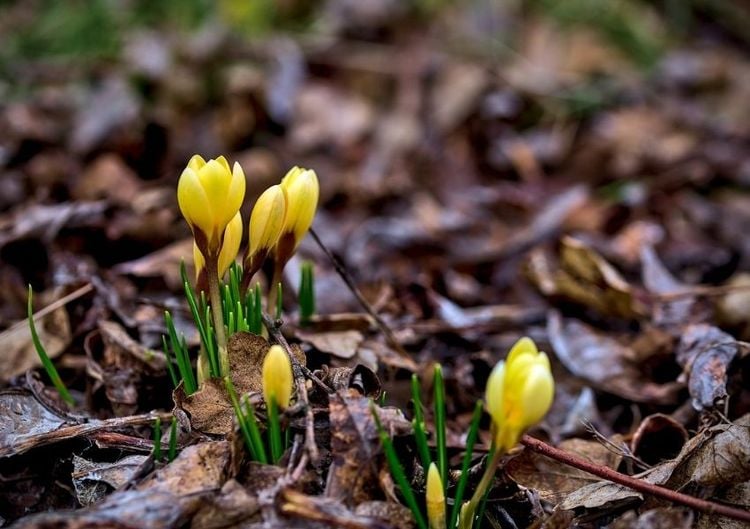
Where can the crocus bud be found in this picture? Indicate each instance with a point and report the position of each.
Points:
(519, 393)
(210, 195)
(301, 189)
(435, 499)
(266, 222)
(277, 377)
(229, 248)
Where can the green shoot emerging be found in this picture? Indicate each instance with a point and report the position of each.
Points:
(49, 367)
(306, 293)
(157, 439)
(397, 471)
(172, 440)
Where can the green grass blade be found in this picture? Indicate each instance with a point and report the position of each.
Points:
(306, 293)
(471, 439)
(49, 367)
(172, 440)
(170, 367)
(279, 301)
(274, 432)
(252, 424)
(420, 435)
(256, 311)
(439, 398)
(397, 471)
(179, 348)
(157, 439)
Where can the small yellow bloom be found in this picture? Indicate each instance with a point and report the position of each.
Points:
(435, 499)
(267, 219)
(210, 195)
(277, 377)
(229, 247)
(519, 393)
(302, 190)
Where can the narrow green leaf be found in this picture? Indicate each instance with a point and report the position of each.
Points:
(274, 431)
(170, 367)
(172, 440)
(49, 367)
(397, 471)
(306, 292)
(471, 439)
(439, 399)
(420, 435)
(157, 439)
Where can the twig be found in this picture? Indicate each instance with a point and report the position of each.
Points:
(634, 483)
(700, 291)
(346, 276)
(300, 372)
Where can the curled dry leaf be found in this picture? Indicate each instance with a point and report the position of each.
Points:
(705, 353)
(92, 480)
(585, 277)
(658, 437)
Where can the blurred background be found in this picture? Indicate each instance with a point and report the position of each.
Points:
(450, 138)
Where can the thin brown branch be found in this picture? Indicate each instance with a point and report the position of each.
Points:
(636, 484)
(346, 276)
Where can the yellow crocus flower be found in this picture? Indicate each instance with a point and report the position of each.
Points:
(519, 393)
(302, 189)
(435, 499)
(266, 222)
(229, 248)
(210, 195)
(277, 377)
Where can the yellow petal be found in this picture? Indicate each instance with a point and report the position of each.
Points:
(196, 162)
(223, 161)
(267, 219)
(522, 347)
(193, 202)
(277, 377)
(494, 394)
(231, 244)
(538, 392)
(198, 261)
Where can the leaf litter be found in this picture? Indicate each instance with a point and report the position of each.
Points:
(487, 172)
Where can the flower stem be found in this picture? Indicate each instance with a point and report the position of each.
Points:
(467, 513)
(214, 296)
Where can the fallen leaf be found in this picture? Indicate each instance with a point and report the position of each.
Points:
(604, 362)
(705, 353)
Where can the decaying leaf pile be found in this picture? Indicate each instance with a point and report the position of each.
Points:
(486, 172)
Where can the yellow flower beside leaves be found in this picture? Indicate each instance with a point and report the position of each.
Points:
(435, 499)
(277, 377)
(519, 393)
(229, 248)
(210, 195)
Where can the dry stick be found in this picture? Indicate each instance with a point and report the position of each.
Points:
(633, 483)
(390, 338)
(299, 378)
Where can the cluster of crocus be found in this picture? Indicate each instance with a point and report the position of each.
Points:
(210, 195)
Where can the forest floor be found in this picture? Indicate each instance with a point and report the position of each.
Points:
(575, 172)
